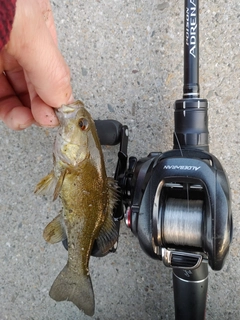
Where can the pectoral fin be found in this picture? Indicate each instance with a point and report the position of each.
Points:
(55, 231)
(51, 185)
(47, 185)
(59, 184)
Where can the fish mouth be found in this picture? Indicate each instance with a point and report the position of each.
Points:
(66, 109)
(66, 112)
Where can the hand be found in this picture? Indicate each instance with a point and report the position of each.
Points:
(34, 77)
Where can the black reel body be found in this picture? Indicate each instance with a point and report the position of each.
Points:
(180, 208)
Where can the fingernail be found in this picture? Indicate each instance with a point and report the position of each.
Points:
(23, 126)
(71, 99)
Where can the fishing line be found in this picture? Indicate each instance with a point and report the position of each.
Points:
(182, 222)
(178, 142)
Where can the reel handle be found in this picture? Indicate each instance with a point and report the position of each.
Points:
(109, 131)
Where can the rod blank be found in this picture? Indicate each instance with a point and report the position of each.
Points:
(191, 50)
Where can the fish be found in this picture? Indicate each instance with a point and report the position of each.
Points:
(88, 197)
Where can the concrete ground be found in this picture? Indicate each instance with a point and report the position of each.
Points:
(126, 63)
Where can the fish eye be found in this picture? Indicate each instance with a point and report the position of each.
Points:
(83, 124)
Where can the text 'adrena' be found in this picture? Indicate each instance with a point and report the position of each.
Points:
(191, 28)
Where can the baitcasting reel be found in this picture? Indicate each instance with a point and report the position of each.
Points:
(177, 203)
(180, 208)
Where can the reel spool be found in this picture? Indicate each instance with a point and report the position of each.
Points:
(182, 222)
(178, 224)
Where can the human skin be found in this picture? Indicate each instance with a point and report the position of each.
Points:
(34, 77)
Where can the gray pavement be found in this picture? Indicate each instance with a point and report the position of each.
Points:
(126, 63)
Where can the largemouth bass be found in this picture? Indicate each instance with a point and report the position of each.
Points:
(88, 198)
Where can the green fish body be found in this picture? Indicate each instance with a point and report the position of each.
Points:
(88, 197)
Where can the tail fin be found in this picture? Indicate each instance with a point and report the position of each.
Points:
(74, 287)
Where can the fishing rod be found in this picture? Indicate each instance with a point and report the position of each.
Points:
(177, 203)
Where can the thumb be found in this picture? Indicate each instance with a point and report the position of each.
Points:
(35, 50)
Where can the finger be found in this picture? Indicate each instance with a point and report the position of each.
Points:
(17, 117)
(39, 56)
(12, 112)
(42, 113)
(17, 81)
(15, 77)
